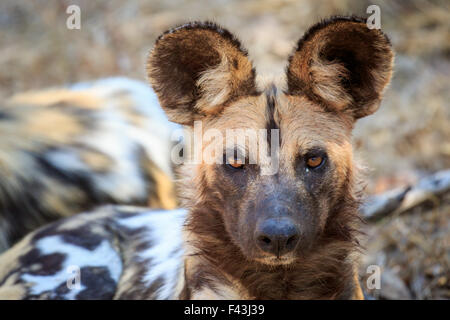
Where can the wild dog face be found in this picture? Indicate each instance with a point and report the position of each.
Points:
(336, 75)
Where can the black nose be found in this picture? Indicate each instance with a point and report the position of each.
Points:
(277, 236)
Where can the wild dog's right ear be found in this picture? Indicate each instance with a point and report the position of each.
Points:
(196, 69)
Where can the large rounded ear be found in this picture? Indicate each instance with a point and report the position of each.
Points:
(343, 65)
(197, 69)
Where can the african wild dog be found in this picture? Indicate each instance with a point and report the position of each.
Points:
(292, 234)
(66, 150)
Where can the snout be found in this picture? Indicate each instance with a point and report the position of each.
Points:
(277, 236)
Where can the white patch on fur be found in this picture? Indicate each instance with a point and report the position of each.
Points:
(215, 86)
(118, 139)
(66, 159)
(165, 233)
(111, 138)
(157, 139)
(103, 256)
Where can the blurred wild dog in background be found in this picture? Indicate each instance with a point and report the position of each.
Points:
(246, 234)
(66, 150)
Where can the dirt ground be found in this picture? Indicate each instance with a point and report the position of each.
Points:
(408, 138)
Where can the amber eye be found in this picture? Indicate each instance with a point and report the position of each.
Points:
(235, 163)
(314, 162)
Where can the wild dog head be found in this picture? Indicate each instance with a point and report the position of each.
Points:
(336, 75)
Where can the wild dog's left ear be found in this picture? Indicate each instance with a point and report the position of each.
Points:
(343, 65)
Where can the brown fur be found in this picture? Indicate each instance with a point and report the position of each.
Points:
(200, 48)
(336, 75)
(344, 73)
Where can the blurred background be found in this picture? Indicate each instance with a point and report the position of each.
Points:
(406, 141)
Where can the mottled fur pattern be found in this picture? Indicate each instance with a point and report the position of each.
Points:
(66, 150)
(121, 252)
